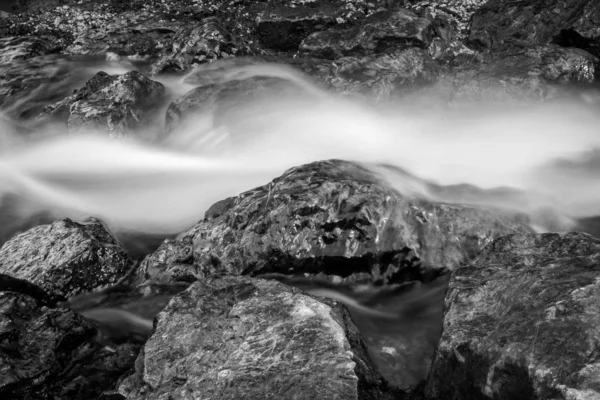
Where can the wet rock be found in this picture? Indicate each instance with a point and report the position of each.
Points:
(333, 218)
(123, 38)
(502, 25)
(532, 74)
(50, 353)
(396, 73)
(256, 339)
(284, 27)
(378, 33)
(521, 321)
(236, 95)
(61, 110)
(195, 44)
(65, 258)
(118, 105)
(459, 12)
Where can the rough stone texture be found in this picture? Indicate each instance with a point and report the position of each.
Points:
(521, 321)
(330, 217)
(500, 25)
(283, 27)
(196, 44)
(50, 354)
(528, 75)
(65, 258)
(394, 73)
(120, 107)
(375, 34)
(238, 338)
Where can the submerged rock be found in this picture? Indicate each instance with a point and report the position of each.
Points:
(335, 218)
(65, 258)
(521, 321)
(239, 338)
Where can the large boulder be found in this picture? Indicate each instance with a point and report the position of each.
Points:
(239, 338)
(334, 217)
(65, 258)
(521, 321)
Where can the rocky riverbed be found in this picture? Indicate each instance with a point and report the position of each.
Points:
(147, 252)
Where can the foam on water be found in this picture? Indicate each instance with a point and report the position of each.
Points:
(166, 186)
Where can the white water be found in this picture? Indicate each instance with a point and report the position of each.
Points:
(167, 186)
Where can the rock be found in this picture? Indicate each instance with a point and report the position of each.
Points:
(335, 218)
(503, 25)
(255, 339)
(123, 38)
(521, 321)
(65, 258)
(376, 34)
(117, 104)
(49, 353)
(533, 74)
(194, 45)
(284, 27)
(396, 73)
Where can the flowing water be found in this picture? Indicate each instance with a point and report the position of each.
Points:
(161, 184)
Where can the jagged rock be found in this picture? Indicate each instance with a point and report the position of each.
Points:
(123, 38)
(393, 73)
(334, 218)
(194, 45)
(49, 353)
(117, 104)
(378, 33)
(65, 257)
(532, 74)
(255, 339)
(521, 321)
(501, 25)
(283, 27)
(459, 12)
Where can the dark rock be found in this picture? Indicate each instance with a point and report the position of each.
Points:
(284, 27)
(394, 73)
(65, 258)
(256, 339)
(194, 45)
(532, 74)
(503, 25)
(521, 321)
(49, 353)
(335, 218)
(117, 104)
(378, 33)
